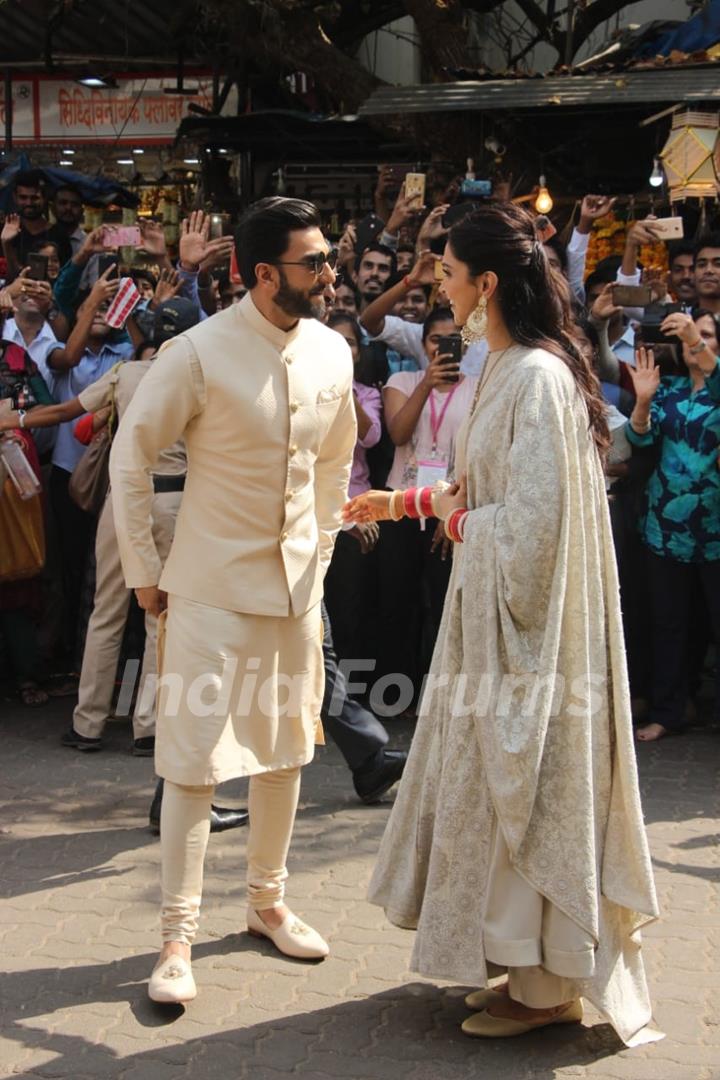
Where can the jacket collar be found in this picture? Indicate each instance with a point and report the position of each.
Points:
(277, 337)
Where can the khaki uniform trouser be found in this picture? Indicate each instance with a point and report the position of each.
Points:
(107, 626)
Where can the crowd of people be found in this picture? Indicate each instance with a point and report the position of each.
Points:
(66, 374)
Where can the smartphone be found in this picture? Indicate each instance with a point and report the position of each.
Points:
(122, 236)
(415, 189)
(368, 230)
(38, 266)
(544, 228)
(649, 332)
(668, 228)
(451, 344)
(476, 189)
(631, 295)
(104, 261)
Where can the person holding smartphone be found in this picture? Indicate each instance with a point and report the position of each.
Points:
(679, 415)
(423, 412)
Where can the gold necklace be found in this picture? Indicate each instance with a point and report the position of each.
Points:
(485, 376)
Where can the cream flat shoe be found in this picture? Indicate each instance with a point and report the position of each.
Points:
(480, 999)
(292, 937)
(484, 1026)
(172, 982)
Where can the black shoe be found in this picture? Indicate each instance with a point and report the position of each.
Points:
(80, 742)
(372, 783)
(144, 747)
(221, 817)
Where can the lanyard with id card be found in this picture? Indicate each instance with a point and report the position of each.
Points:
(435, 469)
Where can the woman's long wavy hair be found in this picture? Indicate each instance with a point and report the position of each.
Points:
(534, 300)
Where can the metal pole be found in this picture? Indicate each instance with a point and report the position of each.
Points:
(569, 51)
(8, 111)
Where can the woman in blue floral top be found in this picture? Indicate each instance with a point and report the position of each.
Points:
(680, 525)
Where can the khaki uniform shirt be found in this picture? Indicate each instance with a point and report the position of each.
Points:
(269, 425)
(125, 381)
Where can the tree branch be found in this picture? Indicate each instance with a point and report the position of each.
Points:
(589, 18)
(443, 32)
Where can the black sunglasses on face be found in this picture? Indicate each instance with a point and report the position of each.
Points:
(314, 263)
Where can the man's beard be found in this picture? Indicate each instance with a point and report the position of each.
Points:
(31, 213)
(374, 290)
(297, 304)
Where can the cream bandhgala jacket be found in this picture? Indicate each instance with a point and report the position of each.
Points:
(269, 424)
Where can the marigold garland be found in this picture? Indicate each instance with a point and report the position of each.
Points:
(608, 238)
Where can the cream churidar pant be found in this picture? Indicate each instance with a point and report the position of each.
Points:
(239, 695)
(107, 626)
(185, 827)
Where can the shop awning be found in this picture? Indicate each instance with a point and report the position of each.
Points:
(691, 85)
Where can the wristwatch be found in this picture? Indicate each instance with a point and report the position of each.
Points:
(21, 417)
(698, 348)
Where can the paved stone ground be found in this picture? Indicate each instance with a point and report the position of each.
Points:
(78, 935)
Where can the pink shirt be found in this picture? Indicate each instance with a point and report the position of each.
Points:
(404, 468)
(371, 402)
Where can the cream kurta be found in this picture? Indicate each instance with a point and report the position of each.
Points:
(269, 426)
(523, 759)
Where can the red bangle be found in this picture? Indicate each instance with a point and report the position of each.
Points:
(407, 282)
(409, 506)
(454, 523)
(426, 507)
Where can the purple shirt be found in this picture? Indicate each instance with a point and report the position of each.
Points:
(371, 402)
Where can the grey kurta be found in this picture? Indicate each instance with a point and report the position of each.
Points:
(525, 723)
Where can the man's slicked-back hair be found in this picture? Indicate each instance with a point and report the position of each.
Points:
(263, 233)
(709, 241)
(29, 178)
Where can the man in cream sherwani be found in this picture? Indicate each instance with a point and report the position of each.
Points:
(262, 395)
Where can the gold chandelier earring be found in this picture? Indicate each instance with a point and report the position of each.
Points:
(475, 329)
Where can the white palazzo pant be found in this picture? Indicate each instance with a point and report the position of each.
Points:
(543, 950)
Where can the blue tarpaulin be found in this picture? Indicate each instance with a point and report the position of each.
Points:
(700, 32)
(94, 190)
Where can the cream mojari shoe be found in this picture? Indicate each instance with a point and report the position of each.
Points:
(172, 982)
(292, 937)
(484, 1026)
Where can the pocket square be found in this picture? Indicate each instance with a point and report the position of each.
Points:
(324, 396)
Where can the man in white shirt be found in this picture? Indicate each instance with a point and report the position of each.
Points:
(407, 337)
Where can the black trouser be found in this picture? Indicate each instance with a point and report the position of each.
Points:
(413, 581)
(671, 595)
(631, 555)
(19, 633)
(75, 530)
(350, 592)
(358, 733)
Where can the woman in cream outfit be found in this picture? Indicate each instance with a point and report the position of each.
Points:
(262, 395)
(516, 843)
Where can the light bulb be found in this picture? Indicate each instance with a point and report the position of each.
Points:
(543, 202)
(657, 176)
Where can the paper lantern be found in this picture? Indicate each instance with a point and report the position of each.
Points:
(691, 156)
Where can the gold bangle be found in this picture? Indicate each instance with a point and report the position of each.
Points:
(394, 499)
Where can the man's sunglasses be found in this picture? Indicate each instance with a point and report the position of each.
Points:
(314, 263)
